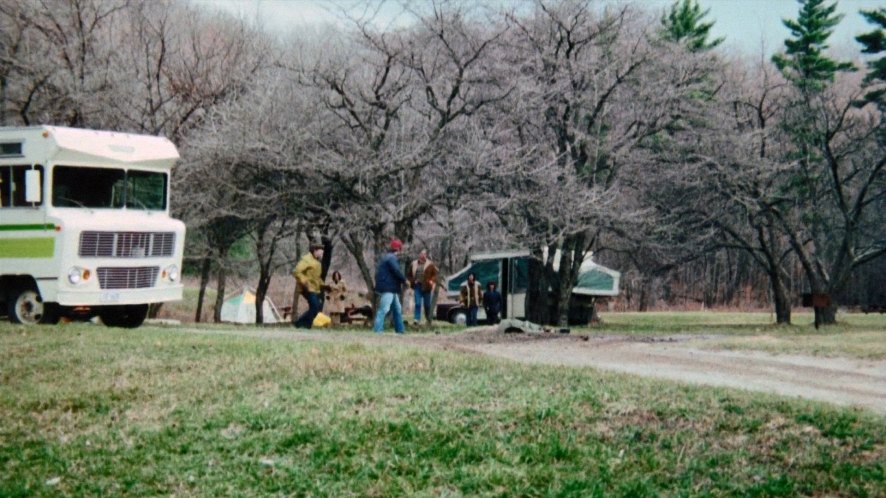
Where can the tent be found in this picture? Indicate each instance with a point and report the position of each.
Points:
(240, 308)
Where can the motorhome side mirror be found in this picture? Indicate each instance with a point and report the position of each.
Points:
(33, 192)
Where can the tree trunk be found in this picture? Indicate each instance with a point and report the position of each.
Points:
(536, 298)
(355, 247)
(643, 299)
(204, 281)
(261, 291)
(825, 315)
(220, 296)
(565, 281)
(773, 266)
(781, 299)
(326, 262)
(3, 97)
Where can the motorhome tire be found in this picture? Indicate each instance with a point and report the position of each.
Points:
(27, 307)
(127, 316)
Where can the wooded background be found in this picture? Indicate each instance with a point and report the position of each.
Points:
(701, 175)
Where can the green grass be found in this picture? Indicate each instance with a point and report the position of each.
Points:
(856, 335)
(92, 411)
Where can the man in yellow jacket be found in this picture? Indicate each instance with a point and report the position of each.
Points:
(308, 273)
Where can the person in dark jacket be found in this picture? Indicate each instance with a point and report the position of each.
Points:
(492, 303)
(389, 280)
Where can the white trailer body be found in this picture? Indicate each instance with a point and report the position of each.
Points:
(85, 226)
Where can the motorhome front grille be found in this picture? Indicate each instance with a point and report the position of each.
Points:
(126, 244)
(140, 277)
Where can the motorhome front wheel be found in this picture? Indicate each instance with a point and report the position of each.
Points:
(27, 307)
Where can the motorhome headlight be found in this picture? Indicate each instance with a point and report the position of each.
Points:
(171, 273)
(77, 275)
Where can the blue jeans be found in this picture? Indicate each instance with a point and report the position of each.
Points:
(472, 316)
(306, 320)
(422, 297)
(389, 301)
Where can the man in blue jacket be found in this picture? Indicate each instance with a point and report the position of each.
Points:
(389, 279)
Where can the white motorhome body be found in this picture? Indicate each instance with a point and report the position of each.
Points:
(85, 226)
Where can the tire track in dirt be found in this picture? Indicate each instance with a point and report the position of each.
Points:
(841, 381)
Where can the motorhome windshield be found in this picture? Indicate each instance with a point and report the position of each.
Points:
(74, 186)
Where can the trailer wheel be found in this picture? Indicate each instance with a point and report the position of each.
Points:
(27, 307)
(458, 316)
(128, 316)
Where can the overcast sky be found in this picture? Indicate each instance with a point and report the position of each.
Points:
(747, 25)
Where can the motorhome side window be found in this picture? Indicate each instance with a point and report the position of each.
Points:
(108, 188)
(12, 186)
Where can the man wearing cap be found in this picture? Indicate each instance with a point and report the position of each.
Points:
(308, 273)
(389, 279)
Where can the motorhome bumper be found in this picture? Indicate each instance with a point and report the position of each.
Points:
(123, 296)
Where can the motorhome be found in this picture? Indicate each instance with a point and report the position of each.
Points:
(510, 272)
(85, 228)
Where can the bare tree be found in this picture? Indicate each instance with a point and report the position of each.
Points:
(176, 63)
(716, 181)
(836, 187)
(592, 87)
(63, 55)
(392, 99)
(254, 171)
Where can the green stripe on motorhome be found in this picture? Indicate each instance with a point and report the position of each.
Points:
(15, 228)
(30, 247)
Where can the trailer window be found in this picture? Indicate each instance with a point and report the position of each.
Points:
(12, 186)
(108, 188)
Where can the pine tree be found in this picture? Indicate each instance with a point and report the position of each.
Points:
(803, 61)
(874, 42)
(683, 24)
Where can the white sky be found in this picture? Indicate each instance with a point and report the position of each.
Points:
(748, 25)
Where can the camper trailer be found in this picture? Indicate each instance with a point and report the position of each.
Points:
(84, 225)
(510, 272)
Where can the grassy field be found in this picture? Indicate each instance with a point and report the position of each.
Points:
(92, 411)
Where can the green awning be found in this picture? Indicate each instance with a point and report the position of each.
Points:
(595, 281)
(485, 271)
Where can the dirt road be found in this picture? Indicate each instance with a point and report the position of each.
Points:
(836, 380)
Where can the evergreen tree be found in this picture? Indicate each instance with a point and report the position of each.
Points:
(803, 61)
(874, 42)
(683, 24)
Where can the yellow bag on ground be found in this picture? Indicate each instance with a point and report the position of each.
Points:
(322, 320)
